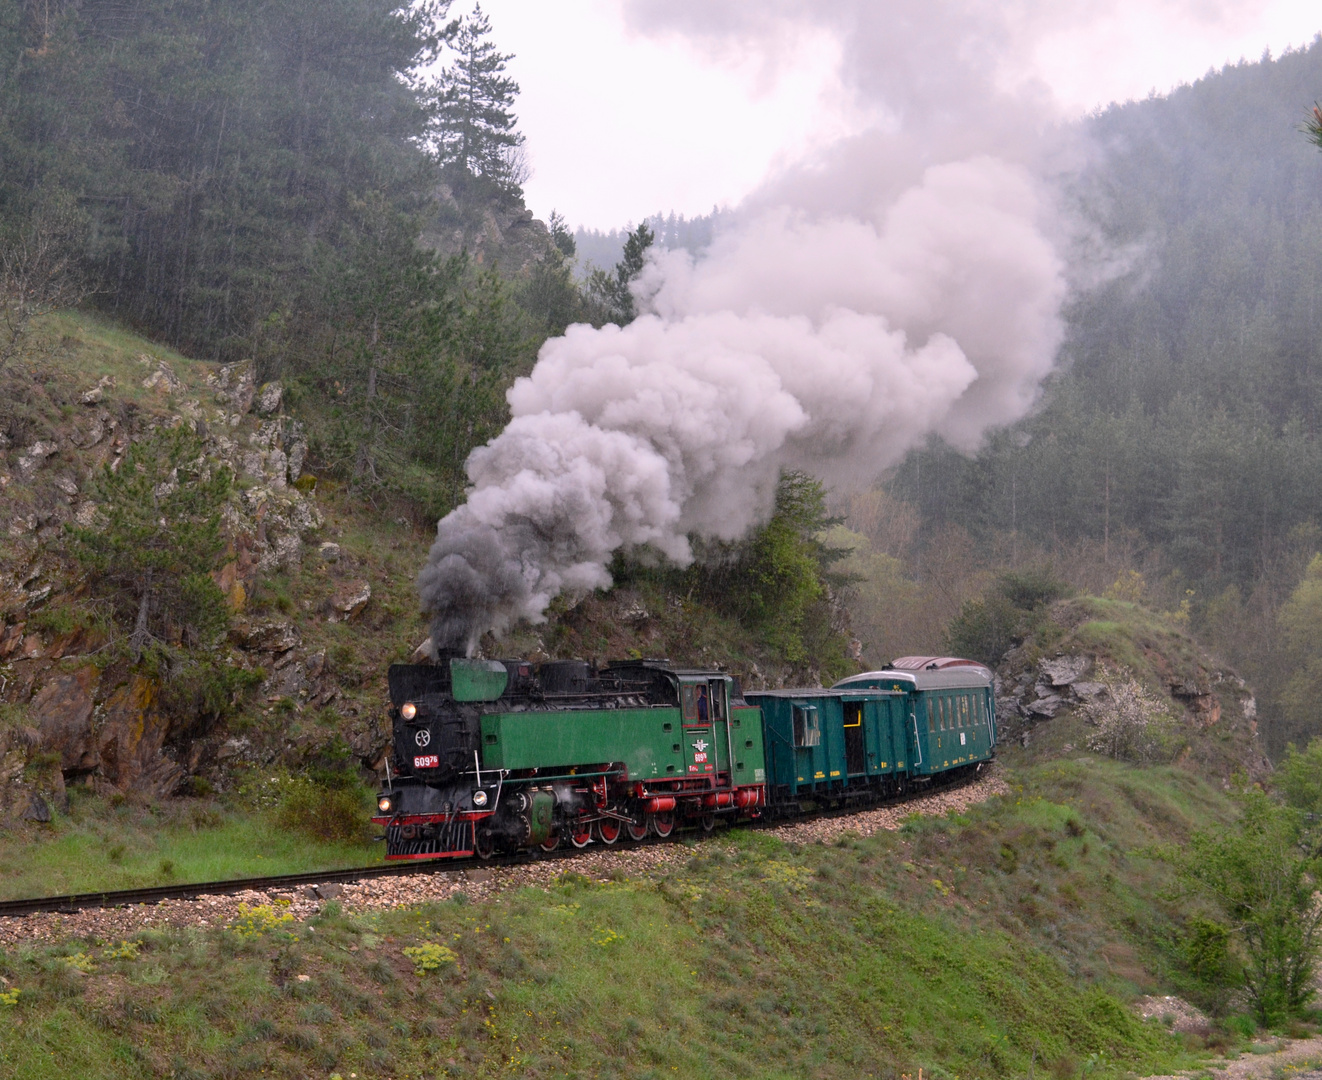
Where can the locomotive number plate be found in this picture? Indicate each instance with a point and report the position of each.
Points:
(427, 761)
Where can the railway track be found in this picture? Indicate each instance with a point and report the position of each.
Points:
(72, 902)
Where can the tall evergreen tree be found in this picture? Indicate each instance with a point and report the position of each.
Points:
(472, 124)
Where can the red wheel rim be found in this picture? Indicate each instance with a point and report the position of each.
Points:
(608, 830)
(636, 831)
(663, 824)
(580, 836)
(551, 842)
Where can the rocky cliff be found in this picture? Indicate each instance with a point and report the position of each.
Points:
(72, 709)
(1093, 664)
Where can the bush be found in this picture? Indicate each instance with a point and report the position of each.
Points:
(986, 629)
(1262, 877)
(325, 813)
(1132, 725)
(1300, 777)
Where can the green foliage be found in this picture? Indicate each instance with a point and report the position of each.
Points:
(1301, 629)
(1205, 952)
(778, 580)
(333, 812)
(209, 145)
(430, 957)
(151, 558)
(986, 629)
(1263, 880)
(1299, 777)
(610, 290)
(1186, 425)
(471, 123)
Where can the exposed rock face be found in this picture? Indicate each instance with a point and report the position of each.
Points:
(62, 712)
(508, 235)
(164, 379)
(1063, 670)
(269, 397)
(236, 385)
(34, 457)
(131, 738)
(349, 600)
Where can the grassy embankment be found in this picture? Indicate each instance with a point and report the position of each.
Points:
(104, 845)
(979, 945)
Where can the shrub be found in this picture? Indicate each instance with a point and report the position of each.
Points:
(1132, 725)
(334, 813)
(259, 920)
(1262, 878)
(430, 957)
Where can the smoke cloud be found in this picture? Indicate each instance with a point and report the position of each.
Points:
(908, 283)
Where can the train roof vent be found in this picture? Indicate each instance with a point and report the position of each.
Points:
(932, 663)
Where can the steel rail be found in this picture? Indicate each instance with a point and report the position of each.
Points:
(73, 902)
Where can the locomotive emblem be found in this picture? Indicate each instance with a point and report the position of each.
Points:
(701, 746)
(423, 737)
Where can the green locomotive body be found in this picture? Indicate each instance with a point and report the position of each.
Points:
(505, 755)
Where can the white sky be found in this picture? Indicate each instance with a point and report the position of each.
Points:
(620, 126)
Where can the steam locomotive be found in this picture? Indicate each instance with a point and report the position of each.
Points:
(505, 755)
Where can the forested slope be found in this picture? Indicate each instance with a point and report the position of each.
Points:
(1179, 439)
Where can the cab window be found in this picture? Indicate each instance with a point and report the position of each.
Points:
(807, 726)
(689, 696)
(716, 695)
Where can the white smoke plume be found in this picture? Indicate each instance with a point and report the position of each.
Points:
(908, 283)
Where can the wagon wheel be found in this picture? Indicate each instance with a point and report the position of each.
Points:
(607, 830)
(580, 834)
(484, 842)
(636, 830)
(663, 822)
(551, 842)
(708, 822)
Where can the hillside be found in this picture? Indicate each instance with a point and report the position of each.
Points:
(1086, 652)
(317, 579)
(1048, 894)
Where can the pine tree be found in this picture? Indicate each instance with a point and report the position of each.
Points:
(610, 292)
(472, 123)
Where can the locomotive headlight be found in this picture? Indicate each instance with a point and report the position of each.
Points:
(384, 804)
(479, 798)
(409, 711)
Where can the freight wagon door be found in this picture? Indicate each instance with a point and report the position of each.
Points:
(855, 755)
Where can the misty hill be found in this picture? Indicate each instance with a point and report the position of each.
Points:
(604, 248)
(1179, 439)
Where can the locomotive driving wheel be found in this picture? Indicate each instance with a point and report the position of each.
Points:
(580, 834)
(484, 842)
(637, 830)
(663, 823)
(551, 842)
(607, 830)
(708, 822)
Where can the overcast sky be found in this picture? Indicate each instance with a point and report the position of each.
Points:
(621, 123)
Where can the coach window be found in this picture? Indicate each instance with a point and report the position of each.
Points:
(931, 717)
(807, 727)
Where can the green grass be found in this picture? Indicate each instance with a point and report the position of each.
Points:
(104, 846)
(757, 959)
